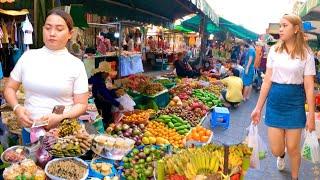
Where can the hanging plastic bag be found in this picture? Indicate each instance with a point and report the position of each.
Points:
(262, 148)
(258, 146)
(310, 149)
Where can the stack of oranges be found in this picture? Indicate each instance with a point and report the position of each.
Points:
(159, 129)
(199, 134)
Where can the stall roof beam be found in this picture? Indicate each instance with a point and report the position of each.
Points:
(138, 9)
(158, 12)
(310, 10)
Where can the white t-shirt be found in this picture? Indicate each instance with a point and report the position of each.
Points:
(49, 78)
(27, 31)
(286, 70)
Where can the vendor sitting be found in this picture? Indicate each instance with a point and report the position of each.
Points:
(233, 94)
(207, 69)
(219, 71)
(183, 68)
(104, 98)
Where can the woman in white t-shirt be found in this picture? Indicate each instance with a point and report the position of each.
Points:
(51, 76)
(288, 82)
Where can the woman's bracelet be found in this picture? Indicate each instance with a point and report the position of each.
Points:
(15, 107)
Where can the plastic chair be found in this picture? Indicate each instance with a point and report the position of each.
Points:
(220, 117)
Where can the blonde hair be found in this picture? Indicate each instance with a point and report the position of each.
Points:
(300, 48)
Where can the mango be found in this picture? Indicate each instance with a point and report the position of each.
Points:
(152, 140)
(145, 140)
(147, 134)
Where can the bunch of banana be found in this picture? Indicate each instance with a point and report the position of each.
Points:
(192, 162)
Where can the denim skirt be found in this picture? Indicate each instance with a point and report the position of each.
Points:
(285, 106)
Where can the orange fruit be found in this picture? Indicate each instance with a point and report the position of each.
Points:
(208, 132)
(198, 128)
(196, 137)
(202, 133)
(204, 138)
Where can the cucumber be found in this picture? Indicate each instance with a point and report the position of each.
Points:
(177, 124)
(173, 120)
(179, 119)
(167, 120)
(181, 131)
(164, 116)
(170, 124)
(186, 131)
(180, 128)
(188, 126)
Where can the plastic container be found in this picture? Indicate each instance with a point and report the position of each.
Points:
(98, 124)
(193, 143)
(94, 173)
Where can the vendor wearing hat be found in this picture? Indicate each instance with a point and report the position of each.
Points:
(104, 98)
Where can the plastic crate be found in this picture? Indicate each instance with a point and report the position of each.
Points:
(161, 100)
(220, 117)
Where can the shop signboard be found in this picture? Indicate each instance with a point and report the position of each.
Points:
(203, 6)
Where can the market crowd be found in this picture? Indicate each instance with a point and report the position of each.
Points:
(240, 67)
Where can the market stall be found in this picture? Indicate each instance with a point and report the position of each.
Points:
(154, 141)
(110, 42)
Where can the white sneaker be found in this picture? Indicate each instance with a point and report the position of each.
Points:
(281, 164)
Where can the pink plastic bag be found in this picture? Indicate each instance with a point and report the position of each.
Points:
(36, 133)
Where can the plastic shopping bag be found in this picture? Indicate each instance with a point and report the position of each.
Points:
(258, 146)
(310, 149)
(36, 133)
(127, 103)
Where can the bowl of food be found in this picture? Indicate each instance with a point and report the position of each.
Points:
(15, 154)
(67, 168)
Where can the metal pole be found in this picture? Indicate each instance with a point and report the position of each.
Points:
(203, 36)
(35, 21)
(226, 160)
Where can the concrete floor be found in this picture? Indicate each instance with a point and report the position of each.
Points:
(240, 120)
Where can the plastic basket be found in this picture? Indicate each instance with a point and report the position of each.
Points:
(136, 111)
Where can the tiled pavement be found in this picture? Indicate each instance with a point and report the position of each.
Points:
(240, 120)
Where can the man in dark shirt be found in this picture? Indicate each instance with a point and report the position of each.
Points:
(183, 68)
